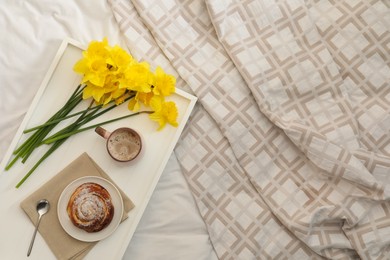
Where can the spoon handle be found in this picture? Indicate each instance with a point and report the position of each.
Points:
(33, 238)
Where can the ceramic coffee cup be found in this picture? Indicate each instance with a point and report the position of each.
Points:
(123, 145)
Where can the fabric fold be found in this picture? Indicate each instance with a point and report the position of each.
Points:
(296, 82)
(276, 142)
(305, 90)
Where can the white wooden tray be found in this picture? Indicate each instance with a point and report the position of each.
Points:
(137, 179)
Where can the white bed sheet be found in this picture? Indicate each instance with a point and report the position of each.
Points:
(171, 227)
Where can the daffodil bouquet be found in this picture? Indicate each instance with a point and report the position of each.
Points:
(111, 76)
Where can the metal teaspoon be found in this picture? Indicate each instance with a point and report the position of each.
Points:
(43, 207)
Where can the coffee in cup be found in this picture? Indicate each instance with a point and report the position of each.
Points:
(124, 144)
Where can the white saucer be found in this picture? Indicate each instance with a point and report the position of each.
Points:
(78, 233)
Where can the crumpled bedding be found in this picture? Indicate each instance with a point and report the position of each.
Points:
(287, 152)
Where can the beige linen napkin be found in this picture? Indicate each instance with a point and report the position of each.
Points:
(62, 245)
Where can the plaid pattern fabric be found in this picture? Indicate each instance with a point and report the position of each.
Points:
(287, 152)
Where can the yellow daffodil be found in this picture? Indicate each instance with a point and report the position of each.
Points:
(164, 112)
(93, 66)
(111, 74)
(138, 77)
(99, 92)
(140, 97)
(164, 84)
(121, 98)
(98, 49)
(117, 95)
(94, 91)
(119, 58)
(94, 70)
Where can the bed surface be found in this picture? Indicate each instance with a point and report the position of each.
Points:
(287, 152)
(35, 31)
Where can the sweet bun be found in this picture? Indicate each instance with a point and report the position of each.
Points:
(90, 207)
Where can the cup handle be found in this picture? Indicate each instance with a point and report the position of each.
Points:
(102, 132)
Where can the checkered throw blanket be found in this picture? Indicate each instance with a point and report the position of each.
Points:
(287, 152)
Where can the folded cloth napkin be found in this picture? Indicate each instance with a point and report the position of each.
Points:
(63, 245)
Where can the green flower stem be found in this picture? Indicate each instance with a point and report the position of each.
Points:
(27, 147)
(50, 122)
(76, 92)
(60, 137)
(26, 143)
(31, 144)
(108, 109)
(47, 154)
(32, 137)
(79, 122)
(14, 160)
(42, 133)
(91, 116)
(69, 105)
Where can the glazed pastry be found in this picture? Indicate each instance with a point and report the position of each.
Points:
(90, 207)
